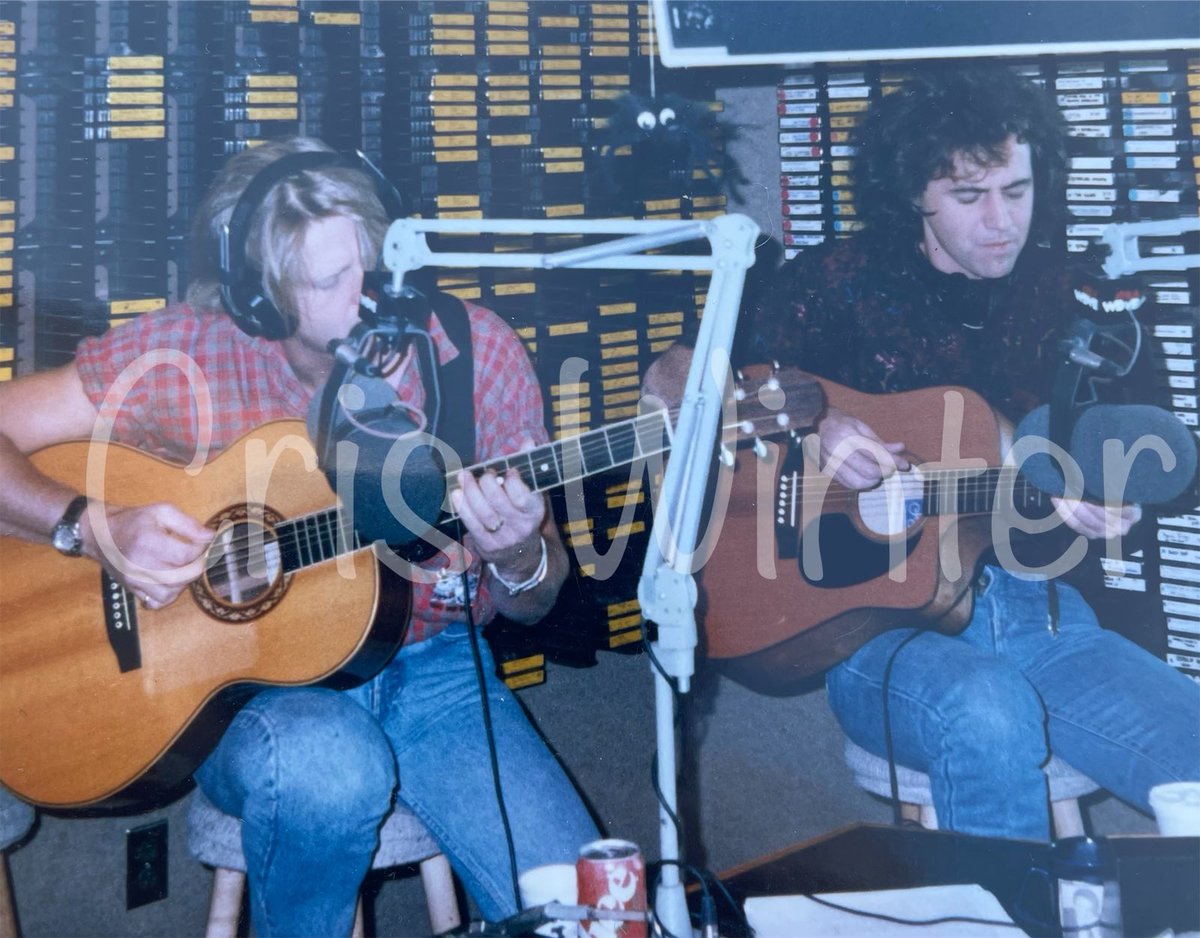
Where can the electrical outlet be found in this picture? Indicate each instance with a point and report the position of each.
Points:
(146, 864)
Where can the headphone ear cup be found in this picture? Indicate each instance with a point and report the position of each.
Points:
(259, 315)
(248, 306)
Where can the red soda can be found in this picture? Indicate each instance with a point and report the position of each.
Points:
(612, 875)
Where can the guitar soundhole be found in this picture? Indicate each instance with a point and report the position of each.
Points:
(243, 572)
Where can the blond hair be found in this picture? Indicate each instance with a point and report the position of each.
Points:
(276, 230)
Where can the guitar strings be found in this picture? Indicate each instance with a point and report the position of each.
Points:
(592, 446)
(968, 485)
(323, 534)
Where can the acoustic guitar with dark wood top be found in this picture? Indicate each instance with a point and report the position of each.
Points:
(804, 571)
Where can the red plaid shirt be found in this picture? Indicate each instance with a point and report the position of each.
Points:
(236, 383)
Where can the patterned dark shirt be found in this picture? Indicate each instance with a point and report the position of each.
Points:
(879, 318)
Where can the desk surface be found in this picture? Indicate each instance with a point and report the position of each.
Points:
(1158, 875)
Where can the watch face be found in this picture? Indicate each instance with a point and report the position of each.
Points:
(67, 539)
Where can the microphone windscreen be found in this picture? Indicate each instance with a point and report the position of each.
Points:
(1163, 468)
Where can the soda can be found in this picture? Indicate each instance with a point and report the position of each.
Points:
(612, 876)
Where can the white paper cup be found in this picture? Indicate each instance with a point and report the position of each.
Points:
(554, 882)
(1177, 808)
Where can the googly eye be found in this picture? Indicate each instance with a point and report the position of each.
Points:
(666, 116)
(646, 120)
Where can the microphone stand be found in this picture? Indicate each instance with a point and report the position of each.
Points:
(667, 589)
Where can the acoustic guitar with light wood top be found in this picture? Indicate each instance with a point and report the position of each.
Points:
(107, 704)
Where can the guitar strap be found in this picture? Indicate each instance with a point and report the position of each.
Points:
(458, 377)
(1060, 424)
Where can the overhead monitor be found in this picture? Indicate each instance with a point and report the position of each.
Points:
(740, 32)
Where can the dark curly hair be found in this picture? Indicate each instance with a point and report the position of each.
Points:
(912, 135)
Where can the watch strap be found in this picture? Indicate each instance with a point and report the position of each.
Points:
(69, 522)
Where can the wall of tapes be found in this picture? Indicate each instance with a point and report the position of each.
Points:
(1134, 145)
(115, 116)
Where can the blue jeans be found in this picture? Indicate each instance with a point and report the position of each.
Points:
(312, 773)
(977, 711)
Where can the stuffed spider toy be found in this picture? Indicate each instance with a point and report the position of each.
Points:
(668, 139)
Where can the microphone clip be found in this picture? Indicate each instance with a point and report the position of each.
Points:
(389, 321)
(1109, 350)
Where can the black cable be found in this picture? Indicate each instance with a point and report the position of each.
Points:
(654, 778)
(687, 867)
(676, 720)
(967, 919)
(701, 875)
(433, 387)
(738, 910)
(485, 706)
(889, 747)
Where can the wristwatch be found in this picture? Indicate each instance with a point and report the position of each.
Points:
(67, 536)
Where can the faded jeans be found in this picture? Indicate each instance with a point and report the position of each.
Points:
(312, 772)
(976, 711)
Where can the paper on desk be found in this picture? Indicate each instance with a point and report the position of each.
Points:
(789, 916)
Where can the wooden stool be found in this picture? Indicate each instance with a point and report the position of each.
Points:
(215, 839)
(1066, 785)
(16, 817)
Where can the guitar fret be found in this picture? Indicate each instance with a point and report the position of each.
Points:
(523, 463)
(312, 539)
(289, 548)
(623, 444)
(500, 466)
(305, 542)
(594, 453)
(544, 466)
(327, 539)
(571, 459)
(651, 435)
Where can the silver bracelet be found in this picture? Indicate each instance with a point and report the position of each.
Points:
(515, 589)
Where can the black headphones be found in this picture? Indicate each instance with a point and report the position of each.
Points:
(242, 287)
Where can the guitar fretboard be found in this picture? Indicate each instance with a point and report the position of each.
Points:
(325, 535)
(975, 493)
(563, 461)
(316, 538)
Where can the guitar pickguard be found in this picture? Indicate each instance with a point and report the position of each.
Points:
(848, 558)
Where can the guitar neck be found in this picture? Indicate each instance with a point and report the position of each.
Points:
(574, 458)
(312, 539)
(965, 492)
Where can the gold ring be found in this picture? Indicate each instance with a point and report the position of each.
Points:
(493, 530)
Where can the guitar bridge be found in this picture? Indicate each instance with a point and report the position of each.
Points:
(120, 623)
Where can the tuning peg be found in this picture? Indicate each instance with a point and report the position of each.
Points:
(725, 454)
(739, 392)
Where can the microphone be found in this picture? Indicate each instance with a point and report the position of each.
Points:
(1163, 468)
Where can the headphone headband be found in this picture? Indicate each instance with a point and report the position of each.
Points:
(242, 288)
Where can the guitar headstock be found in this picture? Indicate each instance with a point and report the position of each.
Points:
(771, 400)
